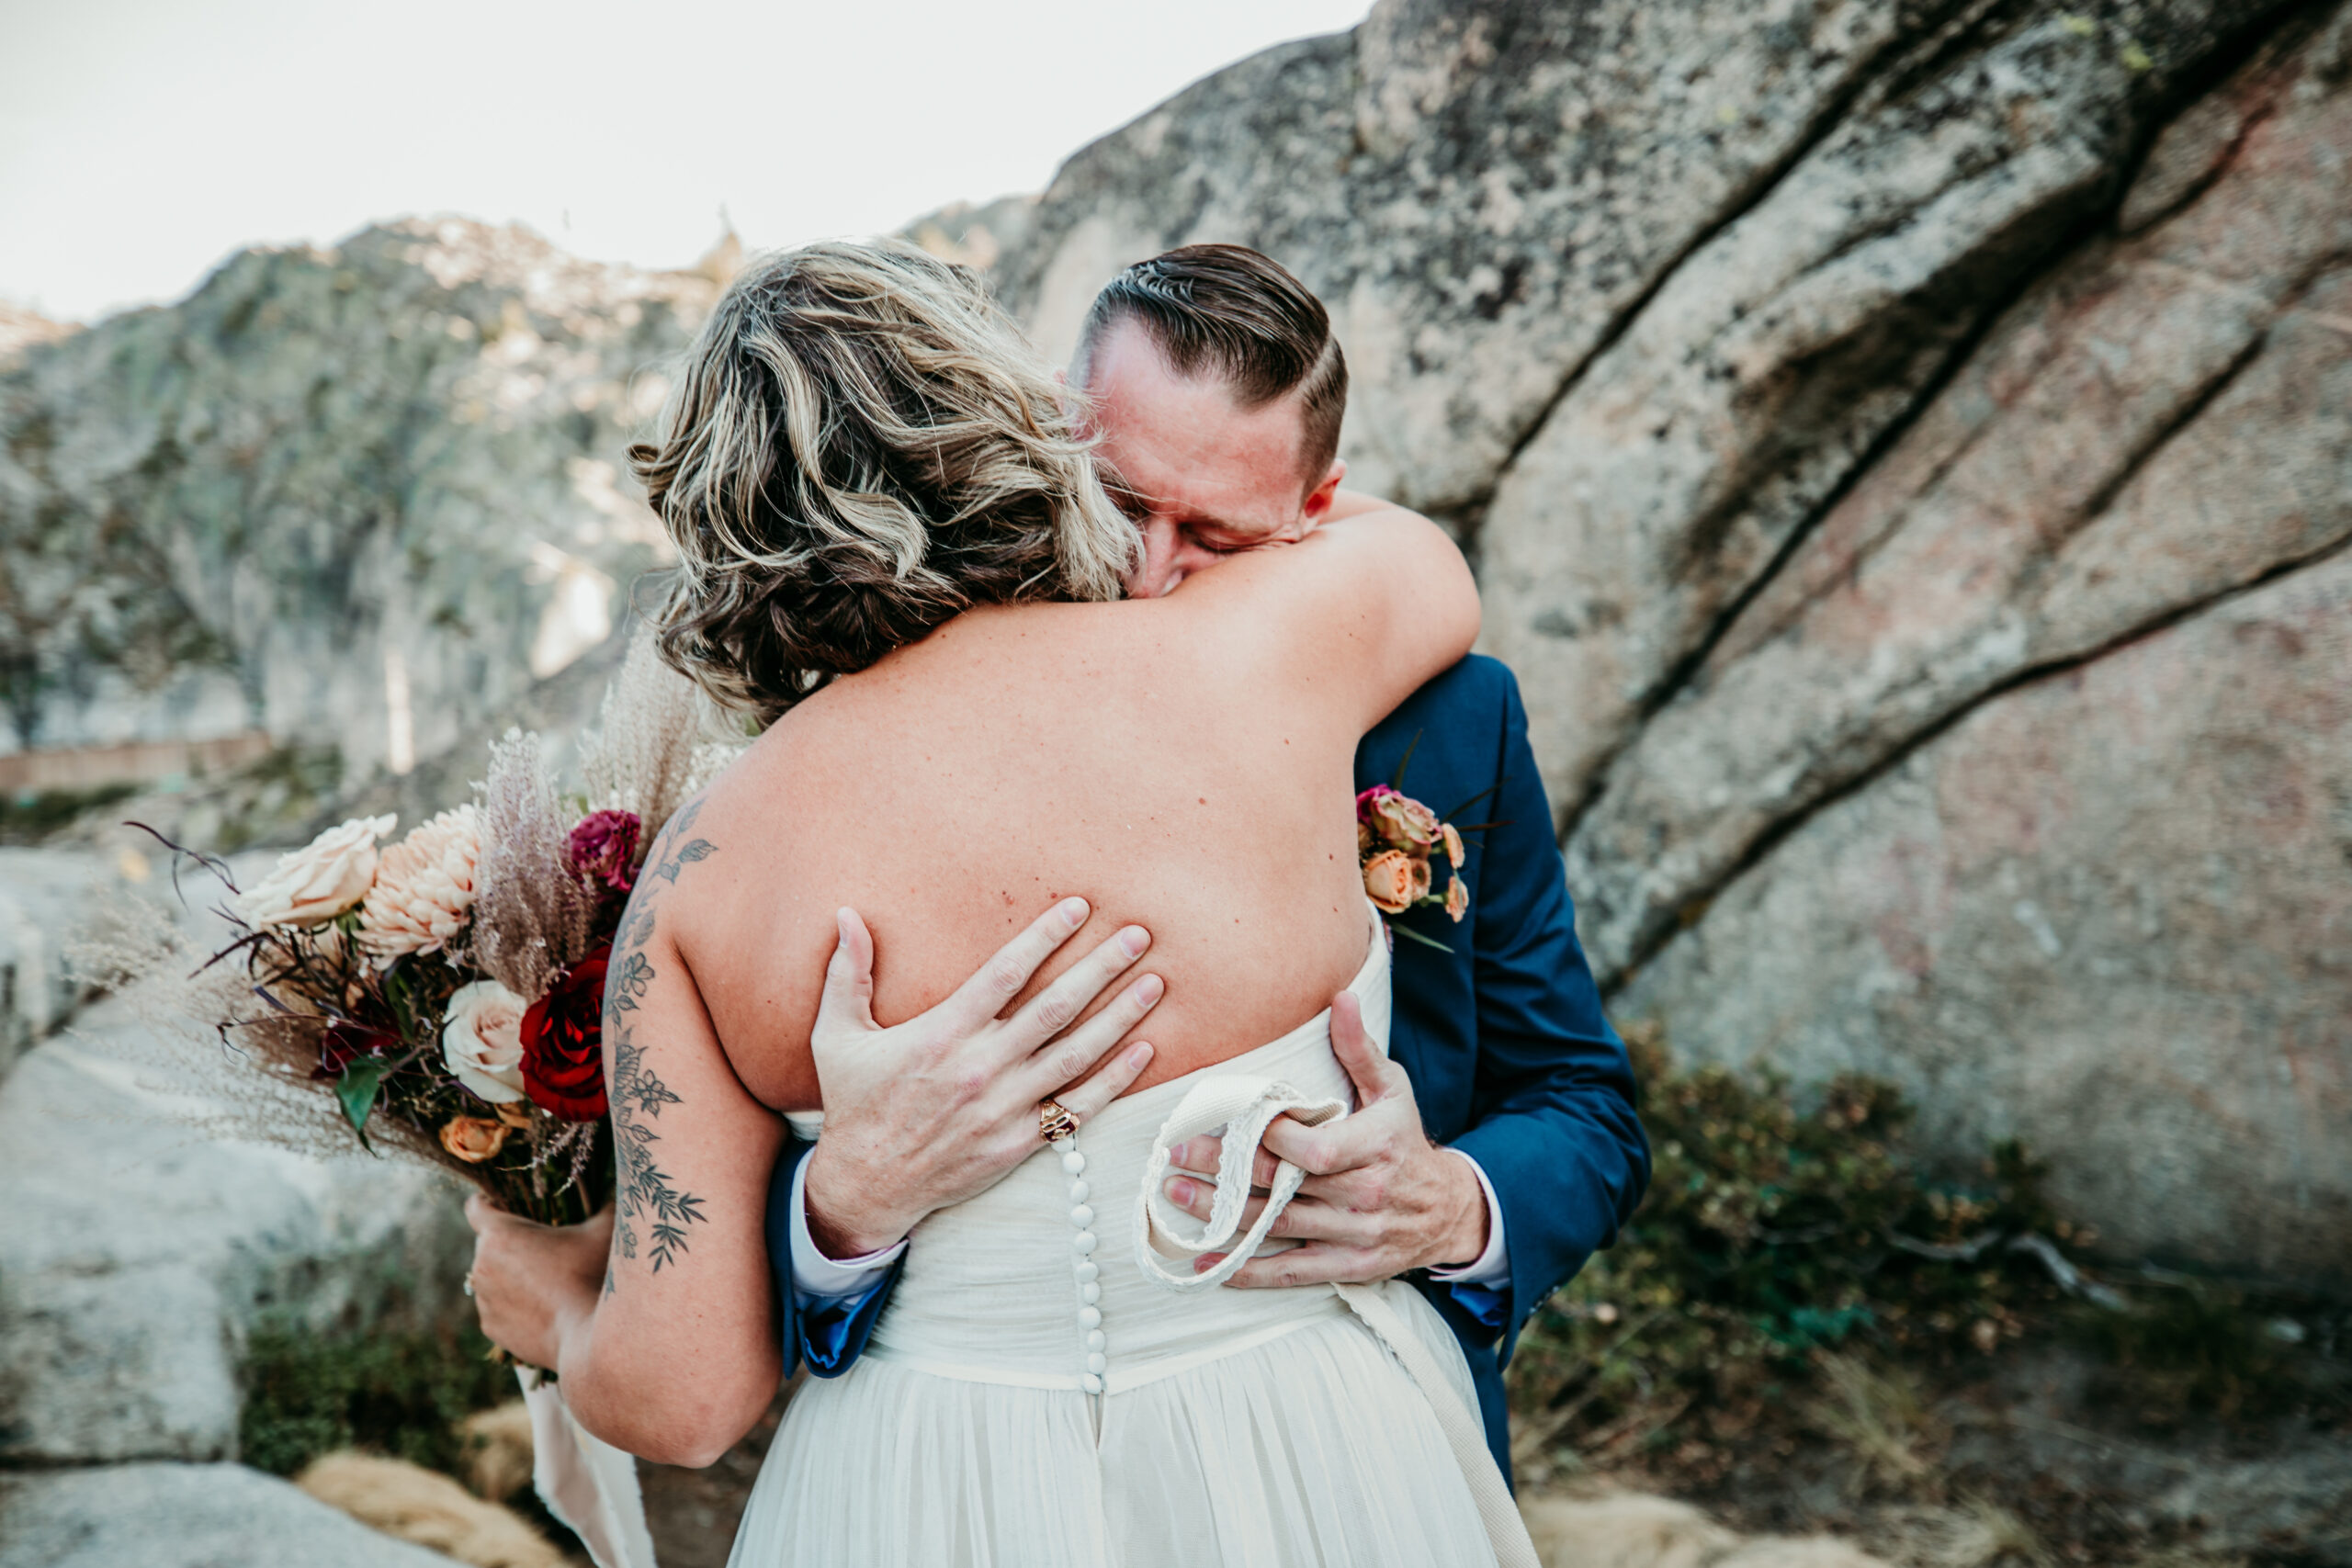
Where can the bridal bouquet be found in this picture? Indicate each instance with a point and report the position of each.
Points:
(1398, 842)
(441, 996)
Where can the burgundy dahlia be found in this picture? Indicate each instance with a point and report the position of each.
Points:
(604, 849)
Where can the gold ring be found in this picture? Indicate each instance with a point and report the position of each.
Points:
(1055, 1121)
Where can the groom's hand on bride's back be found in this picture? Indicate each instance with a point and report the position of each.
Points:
(1379, 1199)
(934, 1110)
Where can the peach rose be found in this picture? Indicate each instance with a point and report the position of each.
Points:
(1452, 846)
(1388, 879)
(425, 887)
(473, 1138)
(1403, 822)
(314, 884)
(482, 1041)
(1457, 900)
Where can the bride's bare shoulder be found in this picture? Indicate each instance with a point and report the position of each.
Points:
(1379, 601)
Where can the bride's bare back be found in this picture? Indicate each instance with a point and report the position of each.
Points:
(1185, 765)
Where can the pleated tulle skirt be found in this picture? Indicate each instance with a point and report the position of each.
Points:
(1313, 1449)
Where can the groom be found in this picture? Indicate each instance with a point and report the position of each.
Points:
(1495, 1148)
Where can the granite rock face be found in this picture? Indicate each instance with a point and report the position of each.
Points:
(1875, 425)
(183, 1515)
(356, 497)
(2146, 984)
(136, 1249)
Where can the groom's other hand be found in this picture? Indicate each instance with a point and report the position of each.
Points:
(1379, 1199)
(934, 1110)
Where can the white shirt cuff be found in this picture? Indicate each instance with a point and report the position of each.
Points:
(814, 1274)
(1492, 1267)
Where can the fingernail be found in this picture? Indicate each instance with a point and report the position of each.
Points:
(1134, 939)
(1148, 989)
(1138, 1054)
(1073, 912)
(1205, 1261)
(1179, 1192)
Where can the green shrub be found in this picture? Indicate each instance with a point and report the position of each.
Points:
(1771, 1234)
(394, 1391)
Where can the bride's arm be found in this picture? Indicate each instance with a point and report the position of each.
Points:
(1367, 608)
(673, 1354)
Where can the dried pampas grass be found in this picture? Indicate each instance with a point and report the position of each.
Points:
(248, 1082)
(657, 740)
(532, 916)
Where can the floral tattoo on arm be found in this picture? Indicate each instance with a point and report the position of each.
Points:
(650, 1212)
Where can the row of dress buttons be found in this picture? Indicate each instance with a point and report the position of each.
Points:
(1083, 1243)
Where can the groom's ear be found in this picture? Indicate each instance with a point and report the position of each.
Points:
(1318, 499)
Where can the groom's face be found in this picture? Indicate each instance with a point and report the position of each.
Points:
(1203, 477)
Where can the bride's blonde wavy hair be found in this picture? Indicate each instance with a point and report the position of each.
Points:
(861, 446)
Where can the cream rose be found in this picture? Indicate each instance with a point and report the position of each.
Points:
(425, 886)
(482, 1042)
(314, 884)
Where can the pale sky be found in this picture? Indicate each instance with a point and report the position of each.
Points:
(142, 142)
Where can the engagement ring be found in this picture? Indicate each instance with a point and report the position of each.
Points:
(1056, 1122)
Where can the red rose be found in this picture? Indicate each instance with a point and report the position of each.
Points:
(563, 1043)
(603, 848)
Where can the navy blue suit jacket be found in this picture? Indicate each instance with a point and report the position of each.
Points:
(1503, 1037)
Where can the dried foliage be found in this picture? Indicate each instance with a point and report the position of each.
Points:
(532, 918)
(643, 754)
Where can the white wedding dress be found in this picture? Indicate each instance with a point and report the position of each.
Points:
(1038, 1393)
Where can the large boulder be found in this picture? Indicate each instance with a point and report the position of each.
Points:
(183, 1515)
(2109, 912)
(137, 1249)
(2164, 419)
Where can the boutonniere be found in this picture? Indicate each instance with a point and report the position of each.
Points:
(1398, 841)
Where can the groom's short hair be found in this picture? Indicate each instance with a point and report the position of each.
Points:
(1232, 311)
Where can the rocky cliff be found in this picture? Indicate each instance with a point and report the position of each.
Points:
(358, 497)
(1905, 448)
(1906, 445)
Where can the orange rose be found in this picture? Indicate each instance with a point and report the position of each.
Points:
(1388, 878)
(1452, 848)
(473, 1138)
(1457, 900)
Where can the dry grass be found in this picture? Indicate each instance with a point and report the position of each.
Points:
(1636, 1531)
(1882, 1421)
(497, 1449)
(1976, 1534)
(427, 1509)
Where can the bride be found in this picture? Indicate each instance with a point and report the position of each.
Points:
(894, 550)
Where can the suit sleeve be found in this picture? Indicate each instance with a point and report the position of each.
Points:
(1552, 1122)
(828, 1332)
